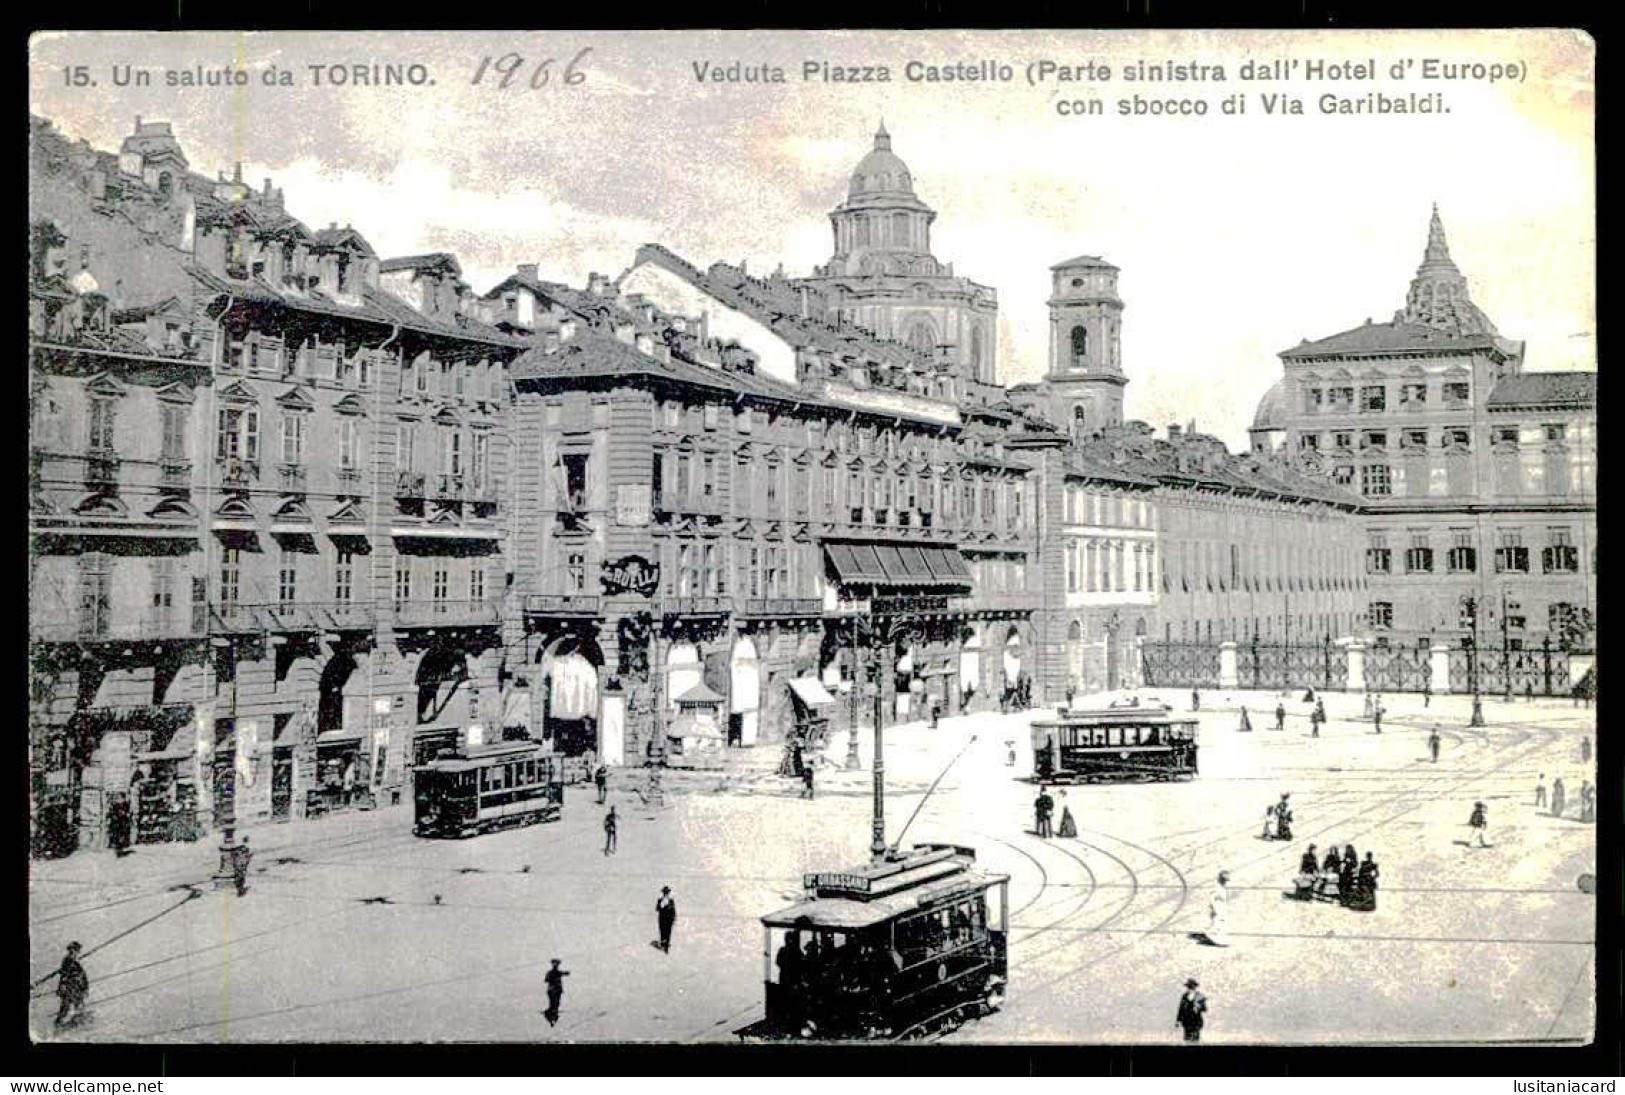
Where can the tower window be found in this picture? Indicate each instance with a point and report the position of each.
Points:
(1080, 419)
(1080, 347)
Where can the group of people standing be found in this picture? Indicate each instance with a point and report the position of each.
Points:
(1044, 811)
(1356, 880)
(1559, 798)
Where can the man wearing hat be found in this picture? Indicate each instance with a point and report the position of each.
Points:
(666, 916)
(555, 992)
(1192, 1007)
(1217, 909)
(72, 986)
(1479, 822)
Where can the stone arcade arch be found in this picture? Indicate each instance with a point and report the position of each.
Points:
(745, 693)
(569, 698)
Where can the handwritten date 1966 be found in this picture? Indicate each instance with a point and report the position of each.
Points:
(509, 66)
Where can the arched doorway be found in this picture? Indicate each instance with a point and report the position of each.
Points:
(335, 677)
(570, 697)
(441, 674)
(970, 666)
(1011, 662)
(745, 693)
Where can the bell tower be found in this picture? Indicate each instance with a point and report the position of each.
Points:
(1085, 377)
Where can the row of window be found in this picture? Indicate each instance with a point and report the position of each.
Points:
(680, 479)
(673, 416)
(1560, 617)
(1558, 556)
(1085, 507)
(353, 366)
(1299, 627)
(1373, 398)
(1452, 438)
(1207, 559)
(1110, 566)
(344, 576)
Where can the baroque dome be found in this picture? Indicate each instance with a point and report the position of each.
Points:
(1271, 414)
(882, 171)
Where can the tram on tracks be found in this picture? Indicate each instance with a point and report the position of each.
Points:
(1125, 742)
(486, 787)
(910, 945)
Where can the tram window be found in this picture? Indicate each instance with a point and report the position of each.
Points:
(485, 780)
(1150, 736)
(530, 771)
(1114, 735)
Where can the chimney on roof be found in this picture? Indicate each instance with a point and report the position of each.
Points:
(803, 299)
(527, 270)
(1174, 431)
(237, 172)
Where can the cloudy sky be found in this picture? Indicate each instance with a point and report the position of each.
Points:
(1237, 236)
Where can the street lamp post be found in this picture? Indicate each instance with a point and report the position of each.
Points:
(1470, 604)
(225, 876)
(1506, 646)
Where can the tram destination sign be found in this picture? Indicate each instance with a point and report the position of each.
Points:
(836, 880)
(630, 574)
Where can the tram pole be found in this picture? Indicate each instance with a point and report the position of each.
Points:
(877, 845)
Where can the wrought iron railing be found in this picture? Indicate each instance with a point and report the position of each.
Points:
(784, 606)
(444, 612)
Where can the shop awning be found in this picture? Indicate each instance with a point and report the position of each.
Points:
(811, 692)
(897, 564)
(947, 564)
(338, 737)
(699, 694)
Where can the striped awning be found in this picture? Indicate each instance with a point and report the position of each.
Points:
(897, 565)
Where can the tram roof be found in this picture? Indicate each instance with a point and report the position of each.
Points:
(1158, 714)
(478, 756)
(849, 914)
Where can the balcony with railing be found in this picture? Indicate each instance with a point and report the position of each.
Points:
(695, 606)
(996, 602)
(410, 485)
(175, 476)
(148, 626)
(240, 473)
(349, 480)
(101, 468)
(443, 612)
(450, 488)
(561, 604)
(783, 606)
(342, 615)
(292, 478)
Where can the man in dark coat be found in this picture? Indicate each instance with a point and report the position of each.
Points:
(807, 781)
(72, 986)
(665, 916)
(555, 992)
(1196, 700)
(118, 827)
(1043, 807)
(1280, 716)
(1192, 1009)
(601, 778)
(1433, 744)
(1366, 883)
(610, 826)
(241, 856)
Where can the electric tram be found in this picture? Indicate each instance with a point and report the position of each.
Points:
(1126, 742)
(905, 946)
(486, 787)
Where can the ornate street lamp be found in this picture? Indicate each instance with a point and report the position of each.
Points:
(1469, 605)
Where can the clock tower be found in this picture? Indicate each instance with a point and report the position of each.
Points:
(1085, 378)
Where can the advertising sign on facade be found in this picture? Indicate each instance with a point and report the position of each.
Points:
(630, 574)
(632, 504)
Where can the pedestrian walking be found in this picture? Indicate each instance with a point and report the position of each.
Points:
(601, 777)
(665, 917)
(555, 992)
(1043, 807)
(1320, 708)
(1559, 797)
(1376, 715)
(1433, 744)
(1427, 694)
(611, 823)
(119, 827)
(1540, 791)
(1218, 911)
(1588, 801)
(72, 986)
(1314, 723)
(1585, 749)
(936, 713)
(1192, 1011)
(1196, 700)
(1280, 716)
(241, 856)
(807, 781)
(1069, 828)
(1479, 822)
(1246, 723)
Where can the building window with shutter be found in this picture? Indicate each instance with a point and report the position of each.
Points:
(173, 446)
(1560, 555)
(231, 576)
(95, 594)
(1512, 557)
(1463, 556)
(293, 438)
(576, 572)
(1419, 556)
(287, 586)
(99, 436)
(163, 592)
(403, 581)
(476, 584)
(344, 577)
(1382, 615)
(440, 586)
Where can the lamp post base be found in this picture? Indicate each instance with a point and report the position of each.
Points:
(1478, 713)
(225, 877)
(853, 764)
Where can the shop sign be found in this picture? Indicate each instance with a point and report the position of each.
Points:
(630, 574)
(632, 504)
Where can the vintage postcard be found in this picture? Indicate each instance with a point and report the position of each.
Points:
(968, 537)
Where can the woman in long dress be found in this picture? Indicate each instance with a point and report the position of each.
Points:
(1069, 828)
(1218, 909)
